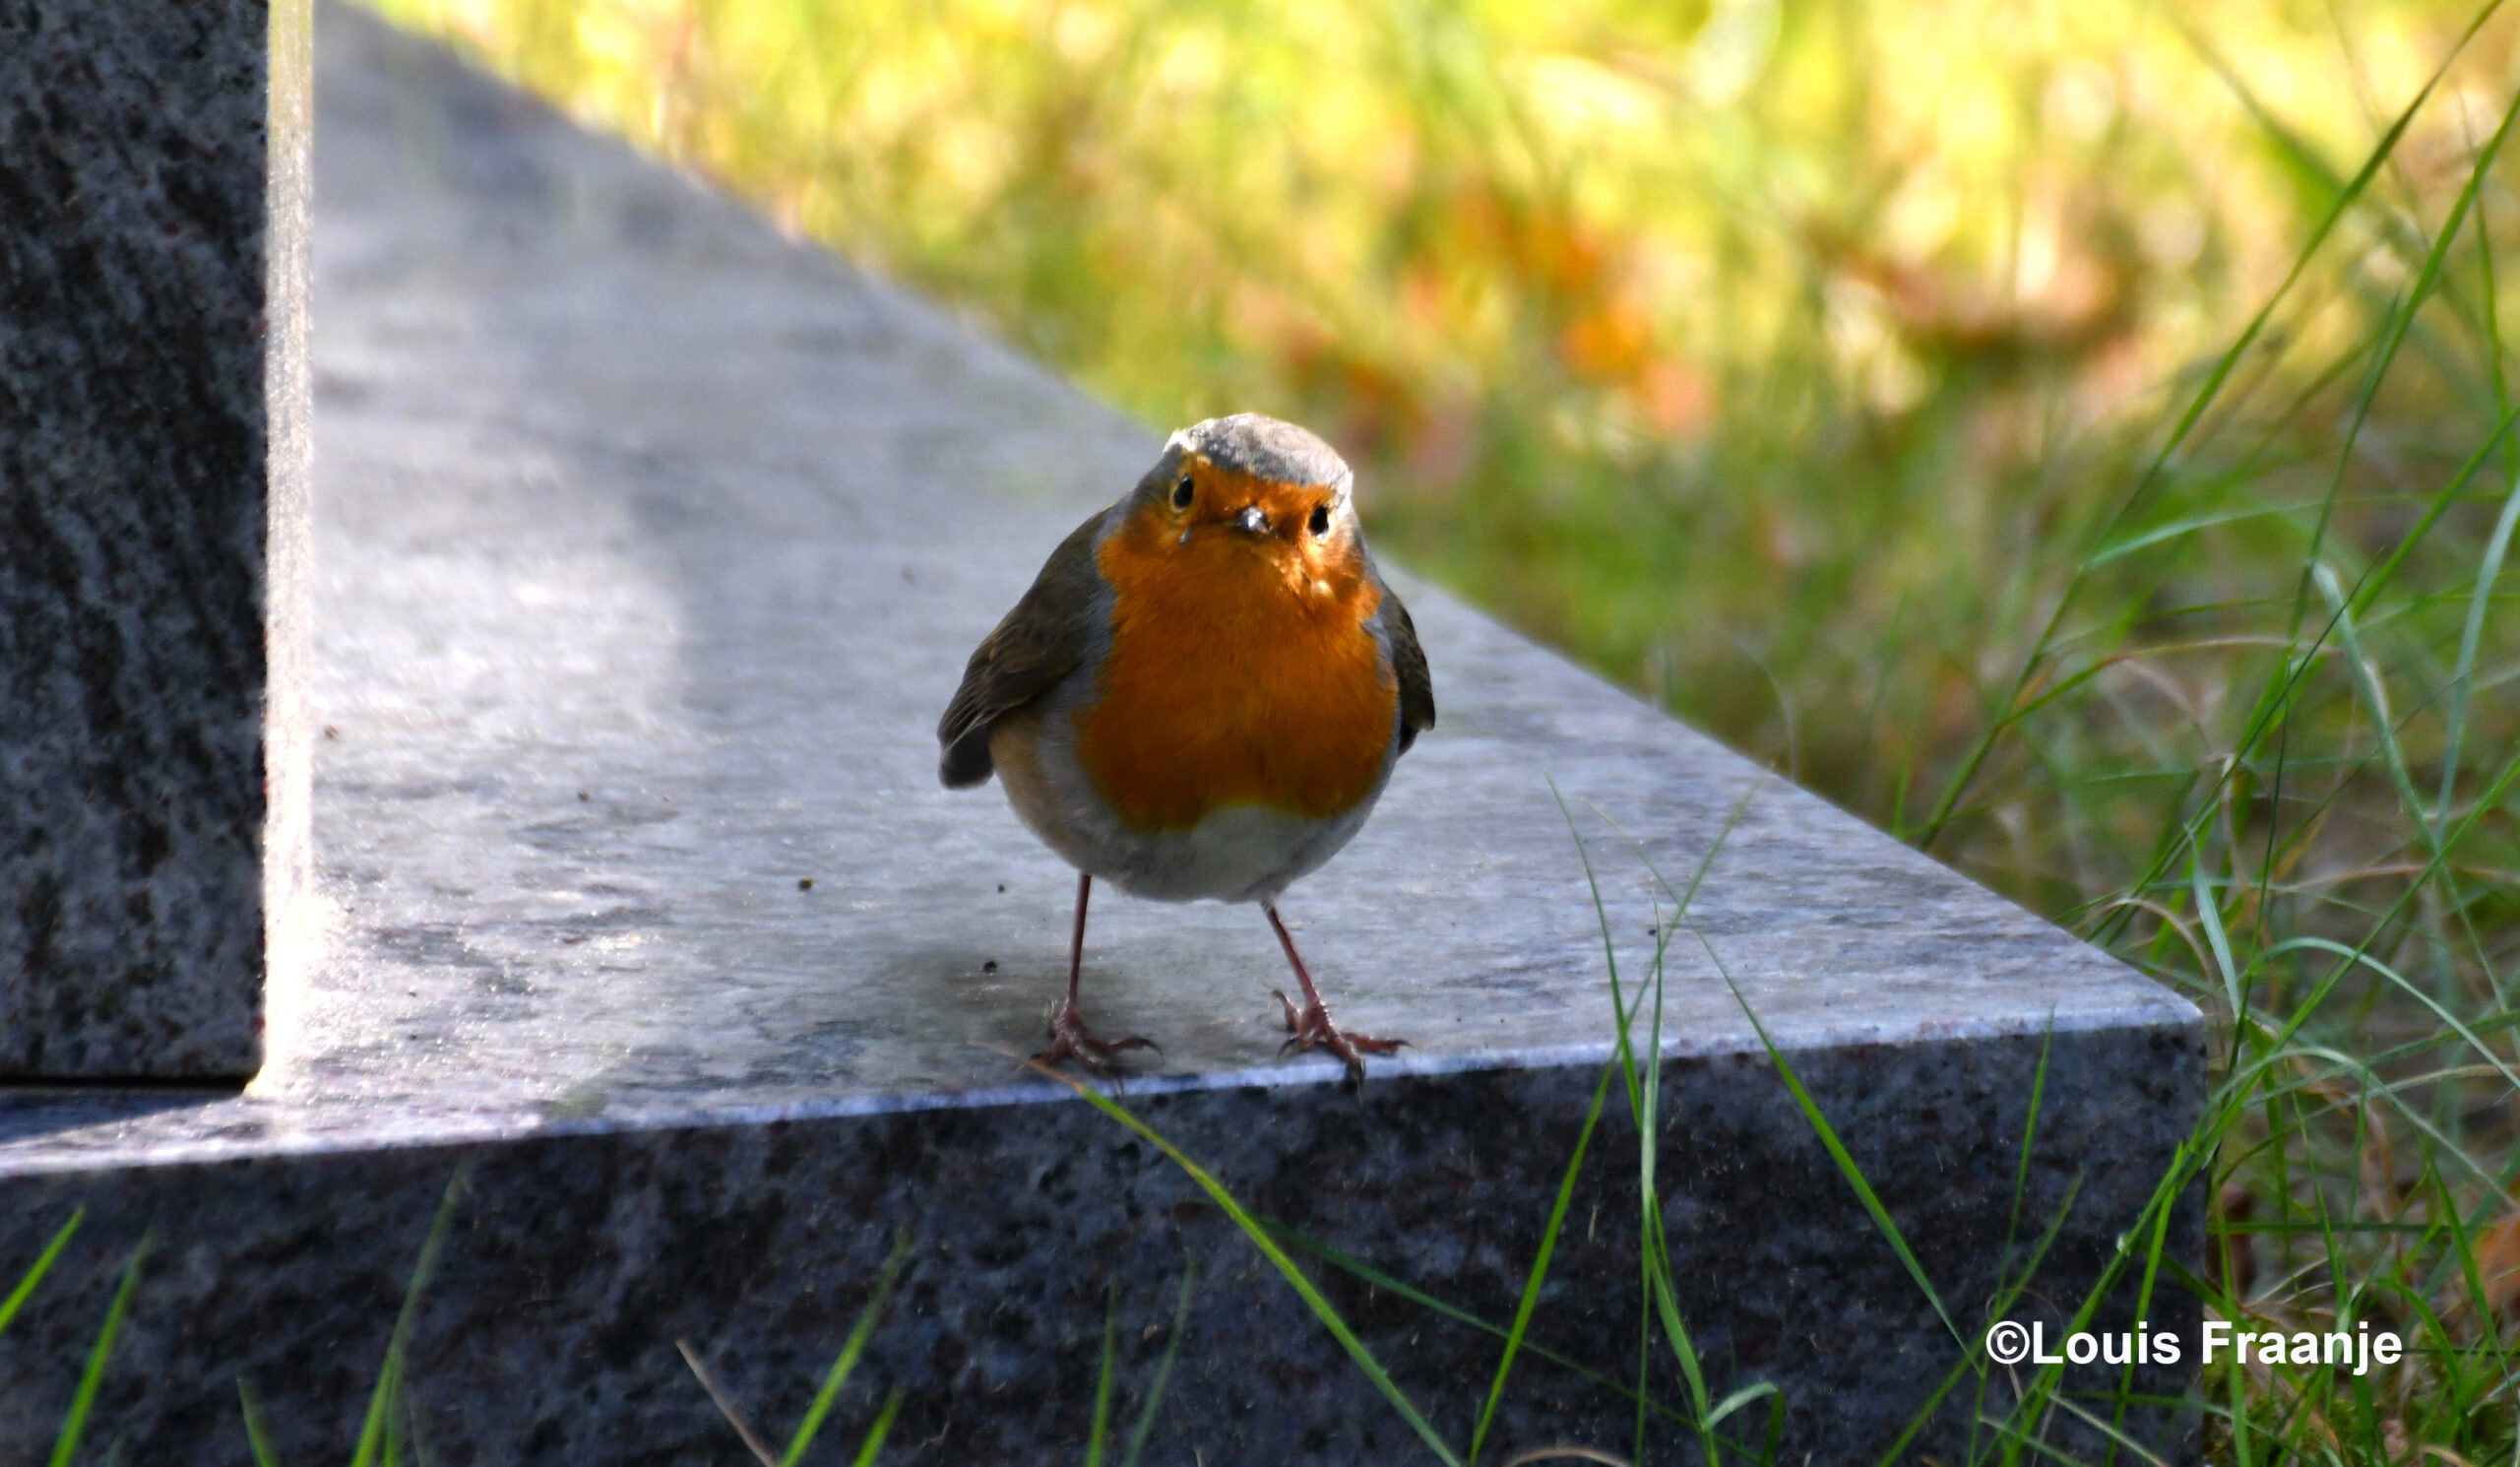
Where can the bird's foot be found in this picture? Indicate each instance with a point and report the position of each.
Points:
(1310, 1027)
(1071, 1039)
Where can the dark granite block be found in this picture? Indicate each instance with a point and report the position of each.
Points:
(151, 458)
(576, 1261)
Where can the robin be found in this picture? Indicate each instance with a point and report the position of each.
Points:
(1201, 697)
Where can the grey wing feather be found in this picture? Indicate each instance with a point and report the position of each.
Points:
(1409, 665)
(1039, 642)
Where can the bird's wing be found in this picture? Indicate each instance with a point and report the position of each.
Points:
(1039, 643)
(1409, 665)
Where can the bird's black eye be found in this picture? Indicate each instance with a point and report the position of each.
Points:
(1319, 524)
(1181, 494)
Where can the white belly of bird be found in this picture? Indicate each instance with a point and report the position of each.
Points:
(1242, 853)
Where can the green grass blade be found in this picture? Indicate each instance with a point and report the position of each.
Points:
(1846, 1164)
(1661, 1294)
(1321, 1307)
(2471, 1279)
(2000, 1307)
(2012, 1231)
(2427, 277)
(850, 1351)
(2030, 1128)
(2184, 526)
(1626, 1061)
(2487, 802)
(2376, 695)
(373, 1430)
(873, 1445)
(1402, 1289)
(1609, 956)
(1103, 1384)
(1163, 1369)
(65, 1447)
(2310, 171)
(258, 1430)
(1738, 1399)
(2155, 1251)
(1665, 1297)
(35, 1271)
(2449, 1020)
(2463, 676)
(1540, 1268)
(2368, 589)
(2209, 916)
(2116, 1437)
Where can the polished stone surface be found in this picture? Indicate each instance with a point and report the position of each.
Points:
(149, 219)
(648, 547)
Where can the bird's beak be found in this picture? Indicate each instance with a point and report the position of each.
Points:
(1252, 520)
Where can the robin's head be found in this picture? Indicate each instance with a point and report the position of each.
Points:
(1259, 483)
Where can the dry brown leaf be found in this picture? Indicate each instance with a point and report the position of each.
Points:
(2497, 1251)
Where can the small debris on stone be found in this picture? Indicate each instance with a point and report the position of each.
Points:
(804, 883)
(989, 967)
(331, 732)
(1001, 886)
(582, 794)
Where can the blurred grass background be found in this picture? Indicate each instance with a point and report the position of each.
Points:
(2076, 437)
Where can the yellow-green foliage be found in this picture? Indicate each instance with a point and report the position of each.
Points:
(1852, 377)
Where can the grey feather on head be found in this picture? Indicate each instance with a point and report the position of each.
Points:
(1269, 448)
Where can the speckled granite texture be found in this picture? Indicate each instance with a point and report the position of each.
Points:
(135, 464)
(648, 547)
(547, 1335)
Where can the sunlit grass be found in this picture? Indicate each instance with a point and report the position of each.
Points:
(2077, 437)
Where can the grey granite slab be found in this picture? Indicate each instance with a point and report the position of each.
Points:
(648, 547)
(151, 511)
(577, 1260)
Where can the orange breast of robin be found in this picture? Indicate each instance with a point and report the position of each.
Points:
(1240, 672)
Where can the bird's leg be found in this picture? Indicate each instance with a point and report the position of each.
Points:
(1311, 1026)
(1076, 935)
(1069, 1038)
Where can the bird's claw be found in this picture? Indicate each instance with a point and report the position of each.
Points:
(1310, 1026)
(1071, 1039)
